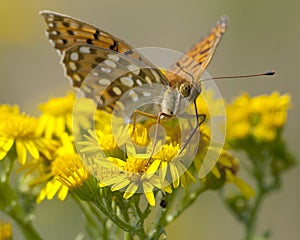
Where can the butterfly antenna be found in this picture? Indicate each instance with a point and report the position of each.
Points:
(182, 69)
(271, 73)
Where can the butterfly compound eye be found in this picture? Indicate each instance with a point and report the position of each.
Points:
(185, 89)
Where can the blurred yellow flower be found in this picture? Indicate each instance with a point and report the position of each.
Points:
(19, 130)
(259, 117)
(65, 114)
(246, 190)
(208, 104)
(97, 140)
(56, 116)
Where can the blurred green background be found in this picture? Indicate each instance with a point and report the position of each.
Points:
(262, 35)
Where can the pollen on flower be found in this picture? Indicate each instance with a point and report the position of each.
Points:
(135, 165)
(97, 140)
(168, 152)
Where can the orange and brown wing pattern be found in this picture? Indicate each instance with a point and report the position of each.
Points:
(197, 58)
(67, 33)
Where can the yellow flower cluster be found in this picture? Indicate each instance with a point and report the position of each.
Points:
(19, 130)
(259, 117)
(50, 142)
(65, 171)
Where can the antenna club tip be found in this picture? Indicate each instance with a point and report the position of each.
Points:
(270, 73)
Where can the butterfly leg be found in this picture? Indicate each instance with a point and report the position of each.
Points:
(143, 114)
(159, 117)
(198, 123)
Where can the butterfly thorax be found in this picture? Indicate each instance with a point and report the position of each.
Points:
(175, 100)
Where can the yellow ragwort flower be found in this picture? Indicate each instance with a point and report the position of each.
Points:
(64, 158)
(67, 172)
(61, 115)
(19, 130)
(260, 117)
(134, 176)
(170, 162)
(56, 116)
(97, 140)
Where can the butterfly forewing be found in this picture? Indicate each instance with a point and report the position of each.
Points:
(197, 58)
(110, 75)
(66, 32)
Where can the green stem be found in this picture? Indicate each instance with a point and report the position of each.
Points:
(91, 217)
(189, 199)
(260, 162)
(10, 204)
(28, 230)
(250, 224)
(126, 227)
(17, 214)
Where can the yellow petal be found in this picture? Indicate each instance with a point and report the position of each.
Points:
(153, 168)
(130, 190)
(69, 121)
(42, 121)
(215, 171)
(21, 151)
(111, 180)
(63, 192)
(148, 190)
(59, 125)
(5, 146)
(245, 189)
(50, 127)
(52, 188)
(41, 196)
(163, 169)
(168, 189)
(31, 148)
(174, 174)
(120, 185)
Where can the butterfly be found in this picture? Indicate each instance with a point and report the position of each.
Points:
(83, 46)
